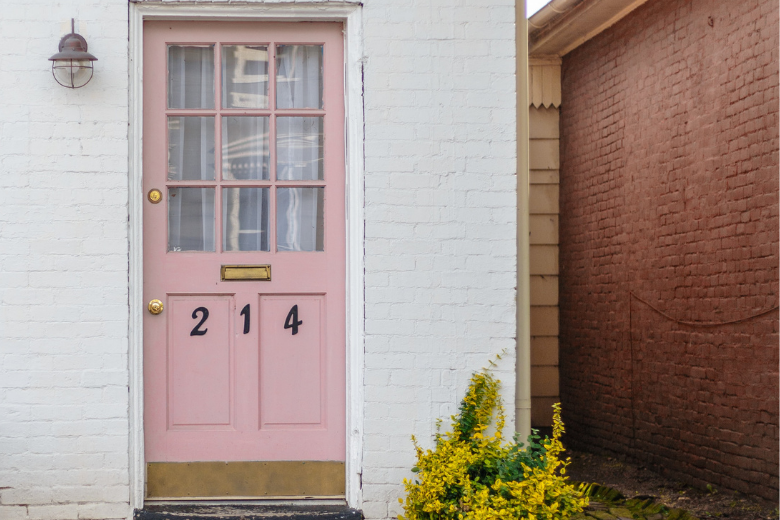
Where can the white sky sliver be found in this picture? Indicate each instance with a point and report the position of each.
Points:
(532, 6)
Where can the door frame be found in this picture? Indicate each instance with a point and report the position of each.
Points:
(350, 14)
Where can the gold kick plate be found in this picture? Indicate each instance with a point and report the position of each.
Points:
(232, 480)
(254, 273)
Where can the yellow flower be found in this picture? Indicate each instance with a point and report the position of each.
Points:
(459, 479)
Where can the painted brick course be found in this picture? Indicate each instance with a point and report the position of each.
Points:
(63, 268)
(440, 220)
(669, 189)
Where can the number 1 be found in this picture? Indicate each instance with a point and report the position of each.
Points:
(245, 314)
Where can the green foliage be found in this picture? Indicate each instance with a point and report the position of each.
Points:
(517, 458)
(471, 475)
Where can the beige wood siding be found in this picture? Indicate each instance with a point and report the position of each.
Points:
(545, 98)
(544, 83)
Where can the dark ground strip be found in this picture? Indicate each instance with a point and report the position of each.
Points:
(635, 481)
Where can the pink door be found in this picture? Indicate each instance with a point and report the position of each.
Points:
(244, 242)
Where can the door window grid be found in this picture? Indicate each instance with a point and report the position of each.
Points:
(298, 177)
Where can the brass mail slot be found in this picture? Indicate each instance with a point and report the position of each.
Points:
(246, 272)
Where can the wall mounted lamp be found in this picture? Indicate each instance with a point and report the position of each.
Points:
(72, 66)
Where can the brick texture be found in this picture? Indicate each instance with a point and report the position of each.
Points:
(669, 189)
(63, 268)
(440, 221)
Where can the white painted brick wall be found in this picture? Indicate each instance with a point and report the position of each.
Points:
(63, 267)
(440, 220)
(440, 244)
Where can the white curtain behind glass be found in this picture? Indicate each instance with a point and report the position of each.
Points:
(245, 219)
(300, 219)
(244, 76)
(190, 77)
(299, 211)
(245, 151)
(299, 143)
(190, 148)
(191, 219)
(191, 85)
(299, 76)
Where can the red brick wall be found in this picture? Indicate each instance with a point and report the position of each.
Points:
(669, 189)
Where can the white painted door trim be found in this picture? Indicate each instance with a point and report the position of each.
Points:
(350, 14)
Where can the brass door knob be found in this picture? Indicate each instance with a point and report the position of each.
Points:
(155, 306)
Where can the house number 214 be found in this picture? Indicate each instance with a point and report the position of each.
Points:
(290, 322)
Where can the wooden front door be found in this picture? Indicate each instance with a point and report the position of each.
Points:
(244, 259)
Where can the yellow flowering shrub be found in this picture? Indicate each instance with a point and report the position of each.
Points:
(472, 475)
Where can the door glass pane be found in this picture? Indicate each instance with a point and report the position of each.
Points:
(299, 219)
(190, 148)
(245, 148)
(299, 76)
(245, 219)
(244, 76)
(190, 77)
(191, 219)
(299, 148)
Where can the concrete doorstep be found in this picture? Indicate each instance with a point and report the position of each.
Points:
(248, 512)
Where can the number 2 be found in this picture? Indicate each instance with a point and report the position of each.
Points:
(196, 331)
(292, 321)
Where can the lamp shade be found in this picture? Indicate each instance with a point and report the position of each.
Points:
(72, 65)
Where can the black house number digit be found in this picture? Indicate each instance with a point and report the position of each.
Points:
(292, 321)
(196, 331)
(245, 314)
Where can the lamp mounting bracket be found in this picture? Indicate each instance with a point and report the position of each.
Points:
(74, 35)
(70, 36)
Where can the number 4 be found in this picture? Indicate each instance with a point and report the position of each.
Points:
(292, 321)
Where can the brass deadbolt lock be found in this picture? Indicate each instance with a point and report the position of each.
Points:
(154, 196)
(155, 306)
